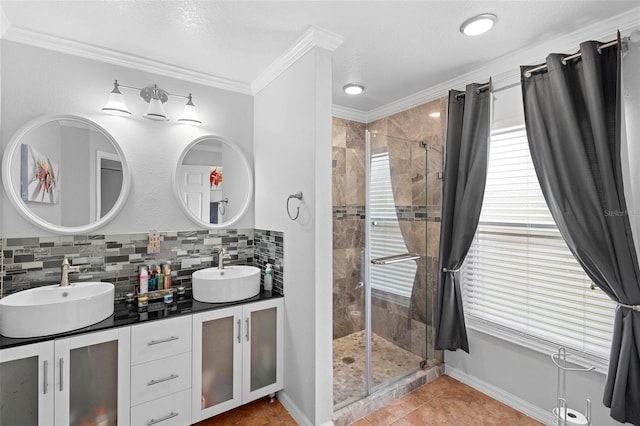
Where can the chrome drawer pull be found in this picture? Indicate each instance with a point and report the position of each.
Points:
(247, 335)
(239, 330)
(162, 419)
(45, 384)
(61, 373)
(157, 342)
(164, 379)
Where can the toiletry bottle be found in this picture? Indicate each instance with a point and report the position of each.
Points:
(268, 278)
(138, 288)
(102, 419)
(153, 282)
(144, 280)
(167, 276)
(159, 277)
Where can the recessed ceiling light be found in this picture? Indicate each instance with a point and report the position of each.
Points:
(353, 89)
(478, 24)
(435, 114)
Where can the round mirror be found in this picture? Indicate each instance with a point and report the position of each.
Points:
(65, 174)
(213, 181)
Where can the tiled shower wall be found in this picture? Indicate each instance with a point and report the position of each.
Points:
(417, 194)
(34, 262)
(348, 225)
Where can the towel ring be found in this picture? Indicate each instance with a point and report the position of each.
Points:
(222, 206)
(298, 196)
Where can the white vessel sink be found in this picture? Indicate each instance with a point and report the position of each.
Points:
(52, 309)
(236, 282)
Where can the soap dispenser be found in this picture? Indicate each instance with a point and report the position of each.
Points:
(268, 278)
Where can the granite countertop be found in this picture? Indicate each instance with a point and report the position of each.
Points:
(127, 313)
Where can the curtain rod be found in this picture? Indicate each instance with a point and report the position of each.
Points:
(479, 89)
(543, 67)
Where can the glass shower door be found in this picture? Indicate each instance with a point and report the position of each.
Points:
(396, 246)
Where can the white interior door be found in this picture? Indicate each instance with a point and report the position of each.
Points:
(194, 189)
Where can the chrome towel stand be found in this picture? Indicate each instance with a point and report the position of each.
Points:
(561, 414)
(298, 196)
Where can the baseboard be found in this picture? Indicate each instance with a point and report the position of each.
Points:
(295, 412)
(501, 395)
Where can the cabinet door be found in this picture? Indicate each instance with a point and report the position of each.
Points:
(262, 351)
(217, 362)
(92, 378)
(26, 385)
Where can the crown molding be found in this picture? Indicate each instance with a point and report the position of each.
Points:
(505, 70)
(347, 113)
(84, 50)
(312, 37)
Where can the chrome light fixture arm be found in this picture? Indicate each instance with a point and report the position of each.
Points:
(155, 96)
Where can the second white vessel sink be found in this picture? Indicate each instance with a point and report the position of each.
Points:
(233, 283)
(52, 309)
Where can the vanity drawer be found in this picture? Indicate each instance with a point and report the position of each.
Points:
(160, 378)
(172, 410)
(160, 339)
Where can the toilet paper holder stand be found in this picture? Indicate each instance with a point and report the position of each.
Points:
(564, 416)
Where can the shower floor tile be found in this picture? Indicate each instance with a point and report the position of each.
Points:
(388, 362)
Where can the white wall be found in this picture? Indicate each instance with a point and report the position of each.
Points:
(37, 81)
(522, 377)
(292, 148)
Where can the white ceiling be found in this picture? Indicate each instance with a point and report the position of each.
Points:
(395, 48)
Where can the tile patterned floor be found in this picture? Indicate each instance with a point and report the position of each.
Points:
(256, 413)
(388, 361)
(446, 402)
(443, 402)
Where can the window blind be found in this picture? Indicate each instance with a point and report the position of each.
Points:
(519, 273)
(386, 237)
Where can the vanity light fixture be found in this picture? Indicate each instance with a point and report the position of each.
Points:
(155, 97)
(478, 24)
(353, 88)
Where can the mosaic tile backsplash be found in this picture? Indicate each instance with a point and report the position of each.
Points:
(34, 262)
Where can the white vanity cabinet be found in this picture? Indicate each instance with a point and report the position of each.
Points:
(26, 384)
(70, 381)
(161, 372)
(237, 356)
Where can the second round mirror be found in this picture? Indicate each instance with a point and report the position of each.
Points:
(213, 182)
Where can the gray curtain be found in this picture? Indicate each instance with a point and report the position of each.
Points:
(573, 116)
(465, 173)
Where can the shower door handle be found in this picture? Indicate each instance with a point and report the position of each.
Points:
(396, 258)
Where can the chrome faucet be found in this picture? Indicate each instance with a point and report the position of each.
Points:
(222, 255)
(66, 269)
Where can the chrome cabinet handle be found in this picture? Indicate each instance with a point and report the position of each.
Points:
(162, 419)
(61, 362)
(247, 335)
(164, 379)
(45, 382)
(239, 330)
(157, 342)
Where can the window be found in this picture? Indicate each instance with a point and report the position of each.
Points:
(386, 237)
(519, 277)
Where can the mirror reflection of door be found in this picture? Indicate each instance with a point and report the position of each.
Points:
(200, 181)
(194, 189)
(109, 182)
